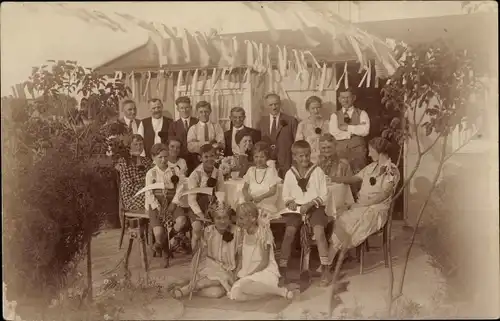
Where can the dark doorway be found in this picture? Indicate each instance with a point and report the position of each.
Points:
(369, 99)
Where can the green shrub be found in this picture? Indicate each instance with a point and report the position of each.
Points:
(50, 207)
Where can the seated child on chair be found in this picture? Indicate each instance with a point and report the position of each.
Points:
(261, 181)
(175, 177)
(221, 244)
(257, 270)
(154, 202)
(305, 187)
(205, 175)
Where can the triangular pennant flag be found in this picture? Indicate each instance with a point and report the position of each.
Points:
(204, 54)
(194, 83)
(204, 81)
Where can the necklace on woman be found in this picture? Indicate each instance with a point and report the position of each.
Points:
(263, 177)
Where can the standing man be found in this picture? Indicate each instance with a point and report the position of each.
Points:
(237, 123)
(152, 127)
(349, 125)
(279, 130)
(204, 132)
(180, 128)
(129, 113)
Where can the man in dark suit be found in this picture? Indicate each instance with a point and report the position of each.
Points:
(129, 110)
(180, 127)
(237, 123)
(151, 127)
(279, 130)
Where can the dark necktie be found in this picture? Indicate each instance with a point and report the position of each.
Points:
(273, 128)
(206, 132)
(130, 125)
(186, 124)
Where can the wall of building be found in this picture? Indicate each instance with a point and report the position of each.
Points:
(389, 10)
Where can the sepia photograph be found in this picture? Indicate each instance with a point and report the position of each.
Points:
(250, 160)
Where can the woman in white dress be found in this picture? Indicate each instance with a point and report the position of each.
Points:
(261, 182)
(369, 214)
(257, 270)
(313, 127)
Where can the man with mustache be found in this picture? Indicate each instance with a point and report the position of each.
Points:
(129, 116)
(350, 125)
(278, 129)
(152, 127)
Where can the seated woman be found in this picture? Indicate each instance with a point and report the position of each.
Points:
(244, 159)
(329, 162)
(257, 270)
(261, 182)
(369, 214)
(132, 172)
(221, 245)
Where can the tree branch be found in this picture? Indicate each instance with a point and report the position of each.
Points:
(431, 145)
(420, 215)
(456, 150)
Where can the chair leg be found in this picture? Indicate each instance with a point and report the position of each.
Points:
(385, 242)
(144, 254)
(122, 234)
(127, 256)
(367, 245)
(361, 259)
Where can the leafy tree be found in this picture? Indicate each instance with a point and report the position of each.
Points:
(55, 189)
(433, 90)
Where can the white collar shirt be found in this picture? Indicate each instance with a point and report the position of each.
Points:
(234, 146)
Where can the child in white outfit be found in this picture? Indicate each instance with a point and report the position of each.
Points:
(257, 270)
(261, 182)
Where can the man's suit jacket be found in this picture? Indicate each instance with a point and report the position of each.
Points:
(285, 136)
(178, 130)
(228, 135)
(122, 121)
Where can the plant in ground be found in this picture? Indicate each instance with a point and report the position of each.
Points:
(433, 90)
(55, 191)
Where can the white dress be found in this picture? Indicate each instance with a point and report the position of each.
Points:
(356, 224)
(252, 253)
(259, 181)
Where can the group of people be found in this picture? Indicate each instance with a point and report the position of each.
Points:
(239, 257)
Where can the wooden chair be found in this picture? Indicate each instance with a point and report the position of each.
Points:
(137, 223)
(360, 250)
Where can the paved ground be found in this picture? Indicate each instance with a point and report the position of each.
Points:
(365, 292)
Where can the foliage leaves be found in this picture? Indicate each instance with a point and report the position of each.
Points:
(436, 83)
(55, 193)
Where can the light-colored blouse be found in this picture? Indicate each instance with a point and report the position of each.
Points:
(385, 178)
(307, 130)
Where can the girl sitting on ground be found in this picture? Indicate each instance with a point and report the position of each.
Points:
(221, 243)
(257, 270)
(261, 182)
